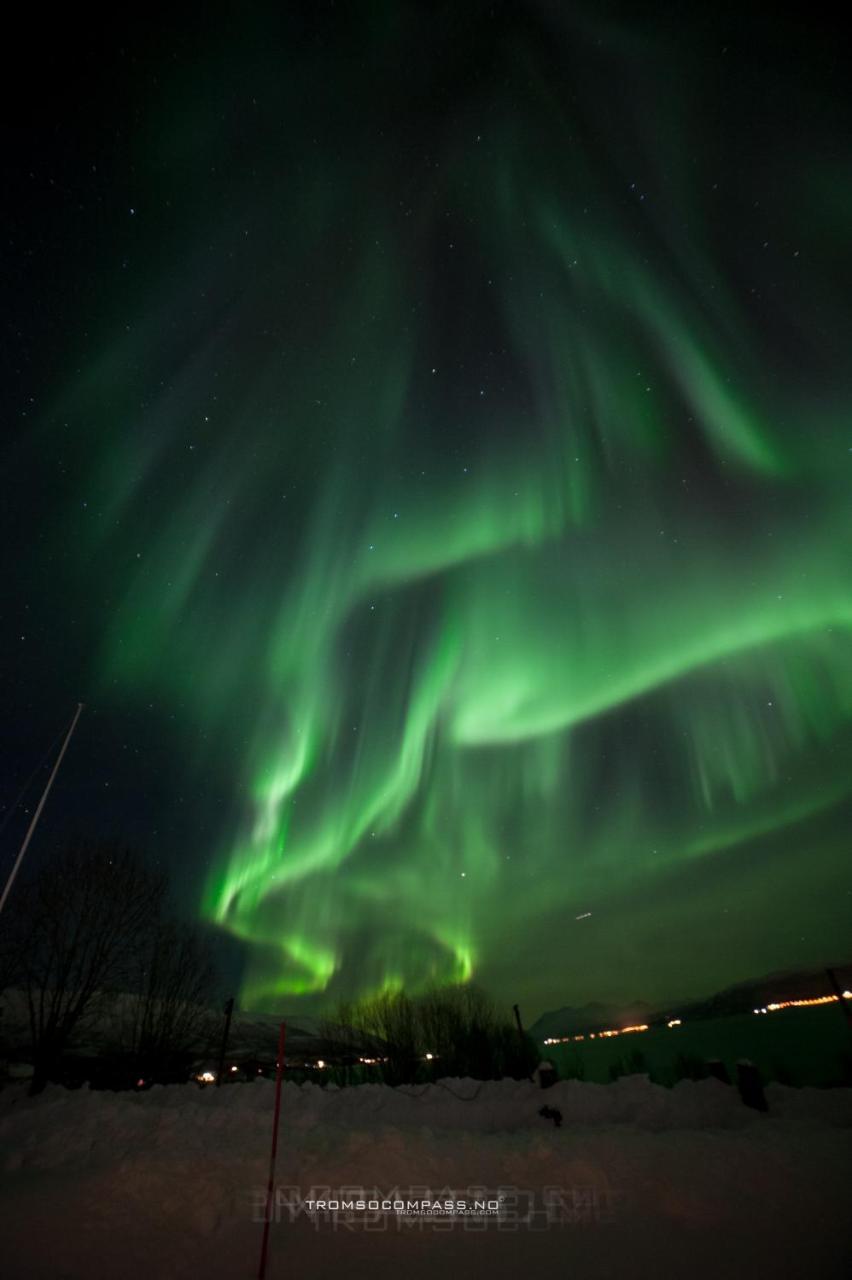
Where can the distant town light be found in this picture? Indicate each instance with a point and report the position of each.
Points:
(804, 1003)
(677, 1022)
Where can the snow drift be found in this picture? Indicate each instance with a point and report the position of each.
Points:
(676, 1182)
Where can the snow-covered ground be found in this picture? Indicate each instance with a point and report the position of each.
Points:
(638, 1181)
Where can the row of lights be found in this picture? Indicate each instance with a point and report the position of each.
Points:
(601, 1035)
(803, 1004)
(375, 1062)
(623, 1032)
(677, 1022)
(209, 1077)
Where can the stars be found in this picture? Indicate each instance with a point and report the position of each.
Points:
(613, 648)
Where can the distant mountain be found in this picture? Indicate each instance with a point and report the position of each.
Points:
(743, 997)
(756, 993)
(306, 1037)
(591, 1017)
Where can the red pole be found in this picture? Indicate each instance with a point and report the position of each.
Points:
(261, 1271)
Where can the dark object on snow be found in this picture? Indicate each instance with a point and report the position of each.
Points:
(717, 1069)
(552, 1113)
(545, 1073)
(750, 1086)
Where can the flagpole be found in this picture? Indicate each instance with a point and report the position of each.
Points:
(16, 868)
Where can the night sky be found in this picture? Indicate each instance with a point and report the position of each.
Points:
(428, 445)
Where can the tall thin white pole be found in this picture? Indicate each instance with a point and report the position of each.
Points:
(37, 814)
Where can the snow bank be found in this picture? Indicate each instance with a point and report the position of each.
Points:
(72, 1127)
(166, 1182)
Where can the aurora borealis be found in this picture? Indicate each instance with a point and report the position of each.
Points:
(456, 439)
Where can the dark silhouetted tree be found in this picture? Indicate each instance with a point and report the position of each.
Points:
(167, 1013)
(75, 934)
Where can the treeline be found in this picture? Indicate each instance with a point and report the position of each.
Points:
(91, 953)
(447, 1031)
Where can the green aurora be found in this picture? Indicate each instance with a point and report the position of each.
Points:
(473, 464)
